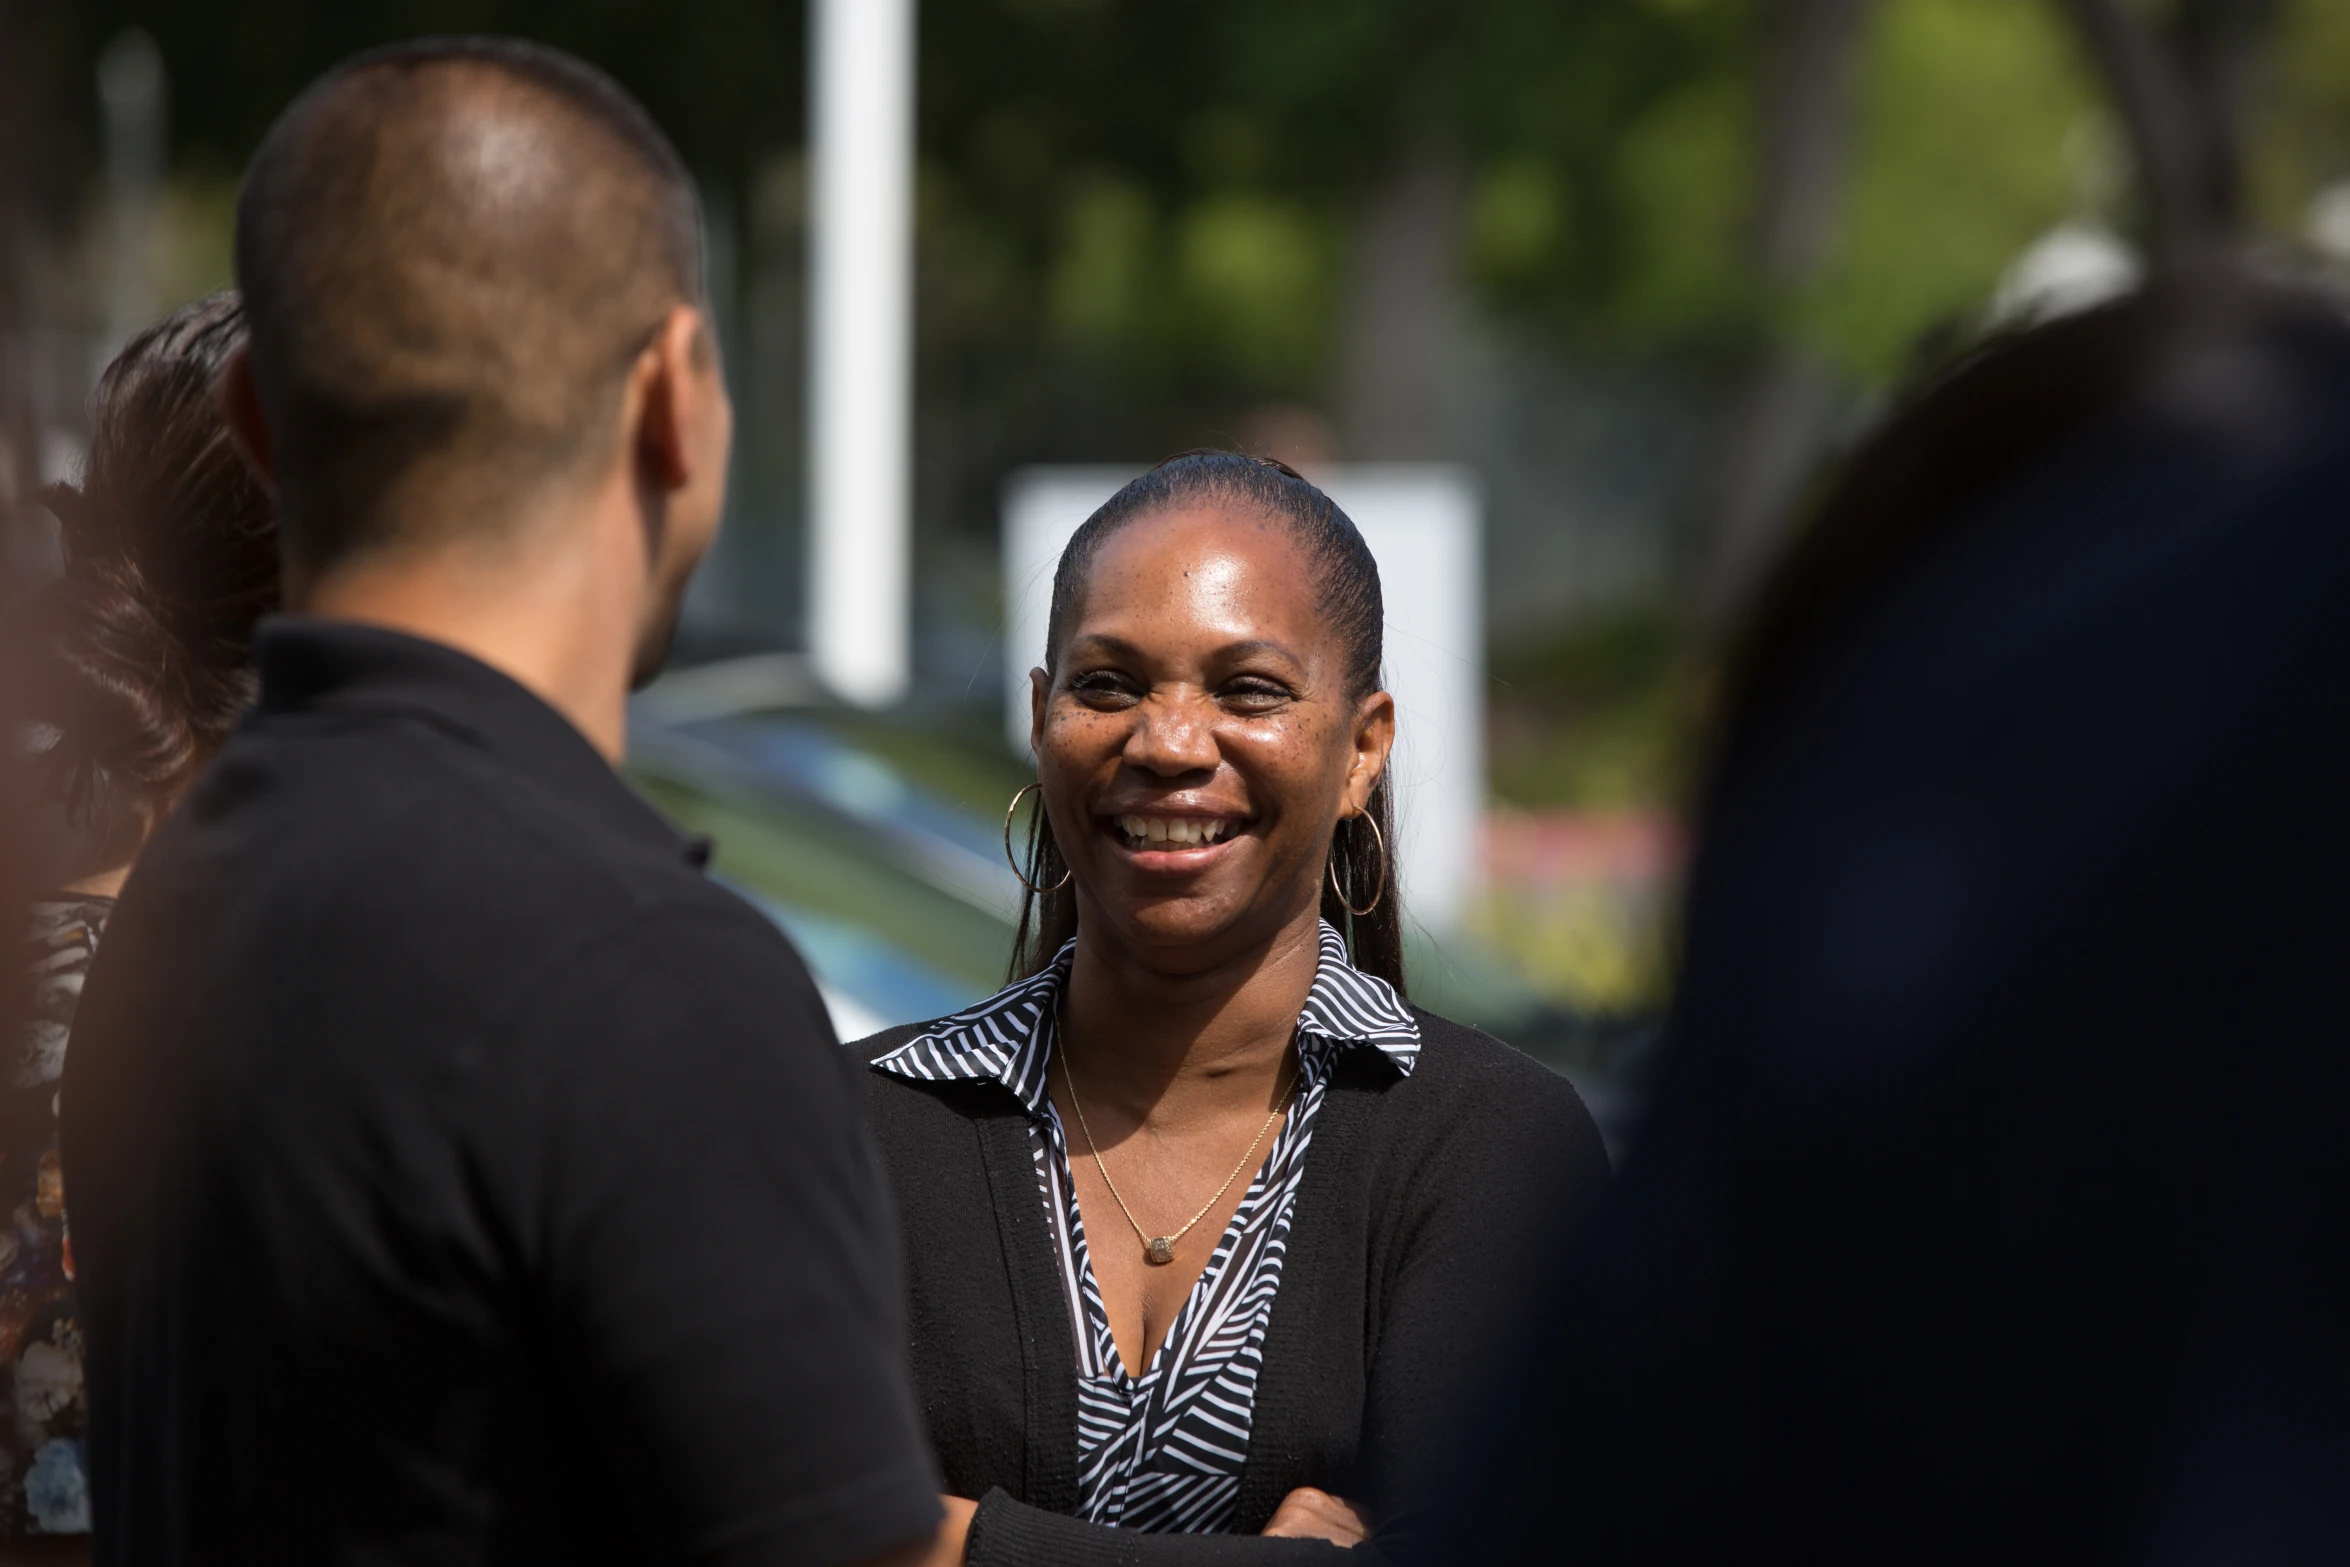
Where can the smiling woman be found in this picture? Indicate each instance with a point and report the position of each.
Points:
(1204, 1220)
(1298, 549)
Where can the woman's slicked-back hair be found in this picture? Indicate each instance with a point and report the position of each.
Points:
(142, 655)
(1351, 606)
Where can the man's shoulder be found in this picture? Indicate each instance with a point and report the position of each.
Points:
(702, 977)
(418, 884)
(398, 802)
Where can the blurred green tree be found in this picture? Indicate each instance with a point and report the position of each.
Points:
(1179, 191)
(1141, 220)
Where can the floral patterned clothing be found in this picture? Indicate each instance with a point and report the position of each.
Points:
(44, 1416)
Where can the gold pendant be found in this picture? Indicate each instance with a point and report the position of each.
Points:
(1159, 1251)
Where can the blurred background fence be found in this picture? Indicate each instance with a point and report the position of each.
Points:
(1636, 268)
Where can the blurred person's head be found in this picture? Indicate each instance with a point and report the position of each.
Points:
(1209, 725)
(2215, 364)
(1989, 1203)
(479, 341)
(140, 658)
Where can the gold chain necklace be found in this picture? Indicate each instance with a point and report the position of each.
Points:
(1159, 1250)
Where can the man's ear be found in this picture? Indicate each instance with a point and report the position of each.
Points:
(240, 410)
(675, 378)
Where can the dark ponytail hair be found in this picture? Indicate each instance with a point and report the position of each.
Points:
(142, 655)
(1351, 605)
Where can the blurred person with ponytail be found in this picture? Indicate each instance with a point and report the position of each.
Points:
(1202, 1217)
(137, 663)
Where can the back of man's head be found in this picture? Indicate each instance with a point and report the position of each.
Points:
(451, 254)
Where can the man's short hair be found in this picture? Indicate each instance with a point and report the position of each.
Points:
(451, 252)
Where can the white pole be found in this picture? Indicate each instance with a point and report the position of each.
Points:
(861, 345)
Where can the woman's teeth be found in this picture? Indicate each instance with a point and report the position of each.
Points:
(1171, 829)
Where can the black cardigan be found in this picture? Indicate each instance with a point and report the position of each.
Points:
(1425, 1204)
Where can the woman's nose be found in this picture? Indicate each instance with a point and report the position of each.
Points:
(1172, 735)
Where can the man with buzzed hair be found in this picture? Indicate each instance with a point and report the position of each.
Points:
(451, 254)
(458, 1174)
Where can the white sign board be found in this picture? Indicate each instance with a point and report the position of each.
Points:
(1423, 523)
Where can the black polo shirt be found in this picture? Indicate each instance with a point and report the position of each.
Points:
(456, 1174)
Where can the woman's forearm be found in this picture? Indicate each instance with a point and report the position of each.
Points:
(1006, 1533)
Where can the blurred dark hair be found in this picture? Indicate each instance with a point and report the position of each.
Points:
(2003, 1093)
(142, 655)
(2206, 355)
(1356, 613)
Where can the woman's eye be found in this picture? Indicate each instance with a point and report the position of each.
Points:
(1103, 687)
(1254, 696)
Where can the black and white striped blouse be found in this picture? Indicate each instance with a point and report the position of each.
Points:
(1163, 1450)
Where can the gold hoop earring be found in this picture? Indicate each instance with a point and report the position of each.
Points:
(1377, 892)
(1066, 871)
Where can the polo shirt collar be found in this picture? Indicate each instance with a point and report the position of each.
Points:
(1008, 1037)
(341, 667)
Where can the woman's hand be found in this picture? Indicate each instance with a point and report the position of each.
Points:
(955, 1533)
(1308, 1514)
(946, 1548)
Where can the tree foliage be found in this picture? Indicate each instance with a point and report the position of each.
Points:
(1159, 196)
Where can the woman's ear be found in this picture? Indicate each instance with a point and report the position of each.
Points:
(1040, 692)
(1374, 737)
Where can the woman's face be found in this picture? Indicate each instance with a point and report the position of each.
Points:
(1197, 744)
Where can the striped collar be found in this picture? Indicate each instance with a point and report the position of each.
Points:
(1008, 1037)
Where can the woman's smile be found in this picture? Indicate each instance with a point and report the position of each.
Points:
(1172, 843)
